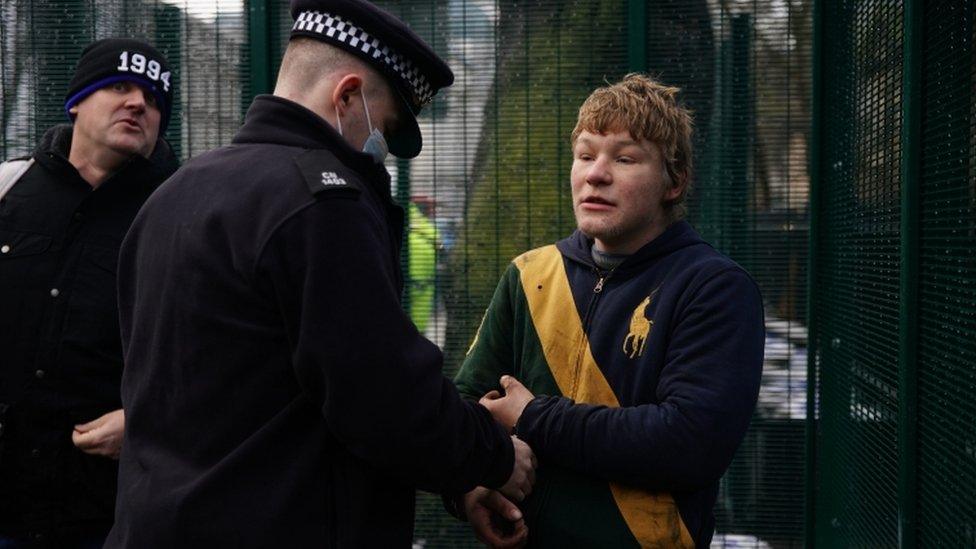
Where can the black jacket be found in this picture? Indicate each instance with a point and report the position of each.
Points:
(61, 359)
(276, 393)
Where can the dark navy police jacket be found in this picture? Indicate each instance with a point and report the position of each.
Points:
(276, 393)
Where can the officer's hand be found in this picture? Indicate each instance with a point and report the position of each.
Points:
(507, 409)
(102, 436)
(496, 521)
(520, 483)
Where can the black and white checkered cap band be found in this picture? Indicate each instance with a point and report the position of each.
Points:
(335, 28)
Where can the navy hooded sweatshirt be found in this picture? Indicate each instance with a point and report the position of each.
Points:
(645, 380)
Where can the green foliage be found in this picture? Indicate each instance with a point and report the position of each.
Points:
(549, 60)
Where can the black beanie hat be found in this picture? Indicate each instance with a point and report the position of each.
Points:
(122, 59)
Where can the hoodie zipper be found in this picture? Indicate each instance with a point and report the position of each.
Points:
(599, 284)
(602, 278)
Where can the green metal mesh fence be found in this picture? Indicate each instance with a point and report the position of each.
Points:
(205, 42)
(857, 294)
(894, 360)
(946, 444)
(751, 203)
(493, 178)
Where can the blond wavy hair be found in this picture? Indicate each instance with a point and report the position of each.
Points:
(650, 111)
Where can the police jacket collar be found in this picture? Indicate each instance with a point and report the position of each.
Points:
(53, 149)
(276, 120)
(680, 234)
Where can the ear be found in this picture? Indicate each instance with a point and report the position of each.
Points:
(73, 109)
(349, 86)
(678, 183)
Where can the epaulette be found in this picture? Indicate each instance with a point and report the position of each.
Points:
(319, 168)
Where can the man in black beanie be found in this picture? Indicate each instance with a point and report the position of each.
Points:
(63, 214)
(276, 392)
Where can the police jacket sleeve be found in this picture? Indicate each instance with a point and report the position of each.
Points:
(358, 357)
(705, 397)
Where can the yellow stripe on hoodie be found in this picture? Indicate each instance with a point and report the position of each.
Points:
(653, 518)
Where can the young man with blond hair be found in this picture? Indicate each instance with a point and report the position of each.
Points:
(627, 355)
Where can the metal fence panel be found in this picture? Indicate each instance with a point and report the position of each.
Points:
(947, 296)
(857, 270)
(895, 271)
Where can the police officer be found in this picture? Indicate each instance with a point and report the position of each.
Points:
(276, 393)
(62, 220)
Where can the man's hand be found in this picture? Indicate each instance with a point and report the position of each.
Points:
(496, 521)
(507, 409)
(520, 483)
(102, 436)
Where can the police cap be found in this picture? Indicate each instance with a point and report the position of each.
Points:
(412, 68)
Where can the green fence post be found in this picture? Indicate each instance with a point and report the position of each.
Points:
(637, 35)
(259, 48)
(816, 155)
(169, 40)
(723, 201)
(908, 283)
(403, 199)
(740, 225)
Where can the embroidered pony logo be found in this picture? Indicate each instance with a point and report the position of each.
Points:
(640, 328)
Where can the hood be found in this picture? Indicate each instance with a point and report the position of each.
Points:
(679, 234)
